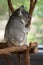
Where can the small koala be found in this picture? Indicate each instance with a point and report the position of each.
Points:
(16, 29)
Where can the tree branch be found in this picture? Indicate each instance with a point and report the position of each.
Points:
(27, 58)
(32, 6)
(13, 49)
(10, 6)
(17, 49)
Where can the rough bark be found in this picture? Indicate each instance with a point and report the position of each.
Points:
(8, 50)
(13, 49)
(10, 6)
(32, 6)
(27, 58)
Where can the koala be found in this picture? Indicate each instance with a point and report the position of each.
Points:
(17, 29)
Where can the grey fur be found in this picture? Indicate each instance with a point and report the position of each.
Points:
(15, 31)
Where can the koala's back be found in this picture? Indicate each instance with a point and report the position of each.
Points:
(14, 30)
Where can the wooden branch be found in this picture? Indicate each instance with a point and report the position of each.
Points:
(33, 44)
(3, 45)
(27, 58)
(23, 49)
(13, 49)
(33, 47)
(10, 6)
(32, 6)
(16, 49)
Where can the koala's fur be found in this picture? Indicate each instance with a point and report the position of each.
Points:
(16, 30)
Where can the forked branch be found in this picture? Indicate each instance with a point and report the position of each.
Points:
(32, 6)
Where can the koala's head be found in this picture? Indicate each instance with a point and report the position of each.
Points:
(25, 17)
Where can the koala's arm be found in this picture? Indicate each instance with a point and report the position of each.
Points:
(19, 35)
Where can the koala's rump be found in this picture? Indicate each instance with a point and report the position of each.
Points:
(14, 32)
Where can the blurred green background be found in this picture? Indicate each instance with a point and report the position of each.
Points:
(37, 20)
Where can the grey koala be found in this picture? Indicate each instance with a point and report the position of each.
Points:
(16, 29)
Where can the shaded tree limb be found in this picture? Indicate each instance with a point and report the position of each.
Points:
(8, 50)
(10, 6)
(26, 57)
(32, 6)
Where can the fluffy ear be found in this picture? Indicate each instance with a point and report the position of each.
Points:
(22, 7)
(20, 10)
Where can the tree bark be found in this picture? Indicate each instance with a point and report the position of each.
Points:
(27, 58)
(16, 49)
(10, 6)
(32, 6)
(13, 49)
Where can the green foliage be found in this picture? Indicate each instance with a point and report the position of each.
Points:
(39, 30)
(3, 7)
(31, 37)
(21, 2)
(39, 8)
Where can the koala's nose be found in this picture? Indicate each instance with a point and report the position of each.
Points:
(27, 27)
(28, 24)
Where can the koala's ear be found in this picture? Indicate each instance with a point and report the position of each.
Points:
(20, 10)
(22, 7)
